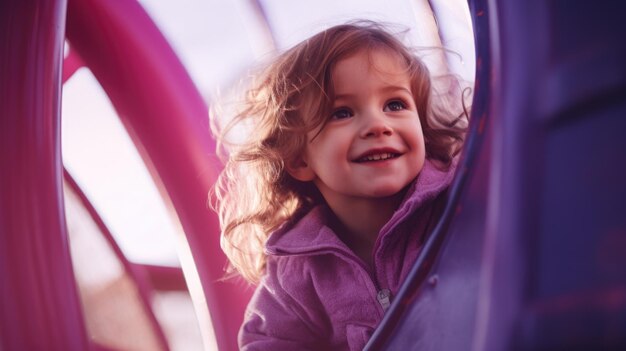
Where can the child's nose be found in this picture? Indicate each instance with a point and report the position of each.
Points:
(375, 125)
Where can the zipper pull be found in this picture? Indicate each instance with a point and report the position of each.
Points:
(384, 298)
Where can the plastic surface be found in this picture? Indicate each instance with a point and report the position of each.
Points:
(531, 254)
(39, 306)
(168, 120)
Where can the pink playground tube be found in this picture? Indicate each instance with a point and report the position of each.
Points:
(167, 119)
(39, 306)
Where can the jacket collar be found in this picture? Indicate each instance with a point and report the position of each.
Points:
(311, 234)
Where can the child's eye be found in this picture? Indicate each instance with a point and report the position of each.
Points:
(341, 114)
(394, 105)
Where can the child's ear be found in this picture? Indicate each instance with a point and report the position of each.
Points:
(300, 170)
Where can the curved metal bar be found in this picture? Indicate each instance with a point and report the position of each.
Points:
(71, 64)
(162, 278)
(143, 288)
(39, 304)
(265, 40)
(168, 120)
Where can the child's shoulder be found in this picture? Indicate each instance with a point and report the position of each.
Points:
(307, 235)
(432, 180)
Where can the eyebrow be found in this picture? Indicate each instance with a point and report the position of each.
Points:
(393, 88)
(386, 89)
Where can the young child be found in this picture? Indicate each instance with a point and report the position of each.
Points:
(327, 203)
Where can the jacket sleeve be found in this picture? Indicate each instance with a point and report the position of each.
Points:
(277, 320)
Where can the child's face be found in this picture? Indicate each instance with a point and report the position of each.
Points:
(373, 145)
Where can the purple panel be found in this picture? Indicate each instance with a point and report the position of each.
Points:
(39, 305)
(552, 275)
(556, 281)
(436, 308)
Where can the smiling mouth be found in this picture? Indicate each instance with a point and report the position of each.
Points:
(377, 157)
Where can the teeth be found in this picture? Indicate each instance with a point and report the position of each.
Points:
(377, 157)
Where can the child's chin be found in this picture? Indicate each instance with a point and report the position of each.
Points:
(386, 191)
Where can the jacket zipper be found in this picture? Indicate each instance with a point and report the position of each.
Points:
(383, 295)
(384, 298)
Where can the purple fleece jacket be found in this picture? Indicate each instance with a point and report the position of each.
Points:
(318, 295)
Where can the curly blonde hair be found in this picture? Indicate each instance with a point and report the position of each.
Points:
(254, 193)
